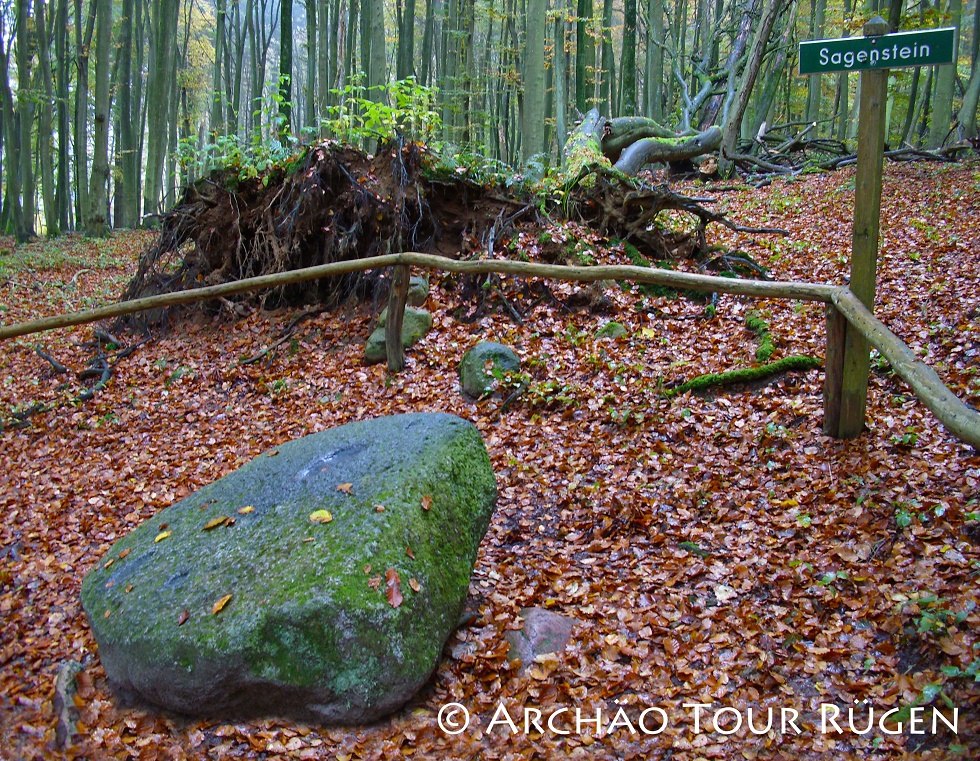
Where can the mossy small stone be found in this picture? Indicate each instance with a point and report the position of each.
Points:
(416, 324)
(270, 612)
(611, 330)
(418, 291)
(474, 377)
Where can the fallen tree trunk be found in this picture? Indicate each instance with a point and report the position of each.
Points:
(653, 150)
(630, 143)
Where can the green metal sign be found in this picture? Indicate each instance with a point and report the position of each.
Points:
(889, 51)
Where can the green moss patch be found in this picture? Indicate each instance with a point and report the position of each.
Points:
(745, 374)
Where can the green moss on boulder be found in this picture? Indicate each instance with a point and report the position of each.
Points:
(416, 324)
(418, 291)
(309, 631)
(478, 364)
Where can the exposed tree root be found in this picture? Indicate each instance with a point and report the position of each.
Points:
(335, 203)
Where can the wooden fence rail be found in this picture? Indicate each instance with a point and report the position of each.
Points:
(844, 309)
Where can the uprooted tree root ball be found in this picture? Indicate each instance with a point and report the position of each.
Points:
(335, 203)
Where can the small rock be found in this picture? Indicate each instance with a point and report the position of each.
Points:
(65, 687)
(418, 291)
(416, 324)
(474, 379)
(543, 632)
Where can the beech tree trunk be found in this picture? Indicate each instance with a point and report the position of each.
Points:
(733, 124)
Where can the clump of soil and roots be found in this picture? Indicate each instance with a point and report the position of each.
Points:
(334, 203)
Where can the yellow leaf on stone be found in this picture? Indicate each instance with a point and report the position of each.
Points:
(345, 488)
(220, 605)
(221, 520)
(321, 516)
(161, 536)
(246, 510)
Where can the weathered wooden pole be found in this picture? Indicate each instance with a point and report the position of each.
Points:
(848, 352)
(864, 238)
(397, 298)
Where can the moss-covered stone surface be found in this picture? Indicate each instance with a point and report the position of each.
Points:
(612, 330)
(416, 323)
(476, 368)
(309, 630)
(418, 290)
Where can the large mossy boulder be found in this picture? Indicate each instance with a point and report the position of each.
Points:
(319, 581)
(416, 323)
(476, 369)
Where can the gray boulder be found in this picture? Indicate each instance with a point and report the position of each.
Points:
(476, 369)
(319, 581)
(417, 323)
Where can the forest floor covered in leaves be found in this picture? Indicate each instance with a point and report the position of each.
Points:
(715, 548)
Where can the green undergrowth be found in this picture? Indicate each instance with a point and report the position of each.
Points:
(755, 323)
(744, 375)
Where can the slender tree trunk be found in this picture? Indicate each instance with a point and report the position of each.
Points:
(377, 63)
(428, 34)
(733, 123)
(584, 57)
(286, 64)
(12, 218)
(45, 126)
(607, 91)
(532, 127)
(63, 192)
(967, 116)
(25, 116)
(627, 64)
(97, 221)
(163, 25)
(218, 124)
(127, 171)
(560, 67)
(310, 90)
(764, 94)
(942, 108)
(653, 83)
(817, 10)
(406, 42)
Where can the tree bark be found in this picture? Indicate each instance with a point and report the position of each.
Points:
(733, 123)
(45, 140)
(25, 116)
(942, 103)
(652, 150)
(532, 121)
(286, 64)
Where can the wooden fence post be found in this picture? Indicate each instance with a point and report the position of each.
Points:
(864, 240)
(397, 298)
(833, 370)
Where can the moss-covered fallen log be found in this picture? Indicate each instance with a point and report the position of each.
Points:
(744, 375)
